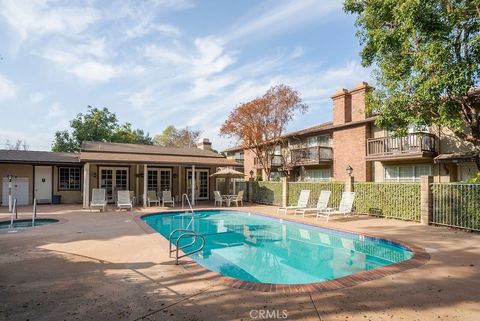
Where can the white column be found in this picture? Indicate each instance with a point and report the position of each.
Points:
(193, 185)
(179, 183)
(145, 179)
(86, 185)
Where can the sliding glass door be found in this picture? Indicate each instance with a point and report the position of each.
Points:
(201, 184)
(113, 179)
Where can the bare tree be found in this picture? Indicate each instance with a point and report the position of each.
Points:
(19, 144)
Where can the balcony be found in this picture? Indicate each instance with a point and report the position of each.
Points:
(411, 146)
(240, 161)
(277, 161)
(312, 156)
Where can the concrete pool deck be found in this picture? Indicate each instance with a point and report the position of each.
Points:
(105, 266)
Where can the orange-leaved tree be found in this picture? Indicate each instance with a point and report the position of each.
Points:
(258, 125)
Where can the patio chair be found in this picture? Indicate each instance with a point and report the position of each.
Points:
(152, 198)
(167, 198)
(123, 200)
(218, 198)
(98, 199)
(302, 202)
(236, 199)
(322, 204)
(346, 205)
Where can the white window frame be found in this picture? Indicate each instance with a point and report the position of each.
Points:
(159, 171)
(399, 179)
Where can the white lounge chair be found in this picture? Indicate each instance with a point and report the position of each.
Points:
(167, 198)
(236, 199)
(152, 198)
(302, 202)
(322, 204)
(98, 199)
(218, 198)
(346, 205)
(123, 200)
(133, 198)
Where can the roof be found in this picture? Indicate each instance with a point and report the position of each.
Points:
(137, 158)
(456, 157)
(37, 157)
(145, 149)
(315, 130)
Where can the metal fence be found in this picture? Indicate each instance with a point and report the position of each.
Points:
(242, 186)
(267, 193)
(393, 200)
(456, 205)
(315, 188)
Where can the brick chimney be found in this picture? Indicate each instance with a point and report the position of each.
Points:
(205, 144)
(342, 107)
(358, 100)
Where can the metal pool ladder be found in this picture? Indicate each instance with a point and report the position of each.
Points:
(185, 233)
(185, 197)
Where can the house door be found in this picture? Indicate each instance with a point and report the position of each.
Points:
(113, 179)
(43, 184)
(201, 184)
(19, 190)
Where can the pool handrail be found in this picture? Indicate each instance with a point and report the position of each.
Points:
(14, 213)
(177, 248)
(185, 197)
(34, 211)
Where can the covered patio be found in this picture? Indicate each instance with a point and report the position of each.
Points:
(141, 168)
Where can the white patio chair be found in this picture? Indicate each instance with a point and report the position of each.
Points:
(167, 198)
(98, 199)
(236, 199)
(123, 200)
(133, 198)
(302, 202)
(218, 198)
(322, 204)
(346, 205)
(152, 198)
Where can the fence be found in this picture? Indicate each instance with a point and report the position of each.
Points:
(392, 200)
(294, 189)
(267, 193)
(242, 186)
(456, 205)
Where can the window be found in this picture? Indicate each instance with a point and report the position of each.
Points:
(321, 140)
(152, 180)
(165, 180)
(317, 175)
(406, 173)
(69, 178)
(159, 180)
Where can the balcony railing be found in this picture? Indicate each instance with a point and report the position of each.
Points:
(311, 155)
(240, 160)
(277, 160)
(411, 143)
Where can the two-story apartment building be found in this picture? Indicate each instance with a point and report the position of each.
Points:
(323, 152)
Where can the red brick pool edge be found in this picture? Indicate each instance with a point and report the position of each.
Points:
(419, 258)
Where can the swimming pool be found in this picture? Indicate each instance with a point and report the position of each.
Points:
(258, 248)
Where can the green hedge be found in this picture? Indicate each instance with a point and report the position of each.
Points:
(267, 193)
(294, 189)
(456, 204)
(394, 200)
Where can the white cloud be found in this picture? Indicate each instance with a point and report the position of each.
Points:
(30, 18)
(8, 90)
(37, 97)
(56, 111)
(146, 27)
(287, 15)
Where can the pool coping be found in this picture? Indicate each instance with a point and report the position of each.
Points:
(419, 258)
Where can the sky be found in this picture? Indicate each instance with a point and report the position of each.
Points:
(167, 62)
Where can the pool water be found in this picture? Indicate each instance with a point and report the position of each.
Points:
(257, 248)
(26, 223)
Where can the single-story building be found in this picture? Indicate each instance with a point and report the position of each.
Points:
(112, 166)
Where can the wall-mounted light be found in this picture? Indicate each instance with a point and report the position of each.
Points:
(349, 170)
(94, 174)
(174, 175)
(251, 173)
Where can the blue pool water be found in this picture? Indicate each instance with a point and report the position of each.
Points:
(257, 248)
(26, 223)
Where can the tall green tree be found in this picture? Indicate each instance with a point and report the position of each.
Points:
(99, 125)
(426, 60)
(173, 137)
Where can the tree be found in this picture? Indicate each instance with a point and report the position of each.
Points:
(259, 124)
(426, 56)
(98, 125)
(125, 134)
(173, 137)
(18, 145)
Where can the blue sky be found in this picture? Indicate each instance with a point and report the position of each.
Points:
(167, 62)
